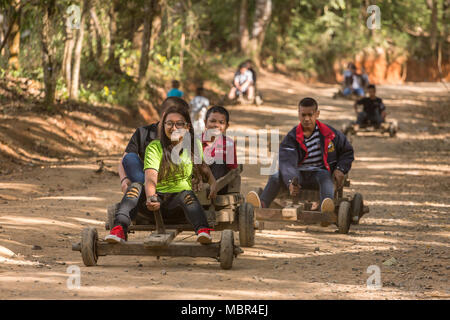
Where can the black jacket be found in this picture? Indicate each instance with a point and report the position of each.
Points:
(336, 150)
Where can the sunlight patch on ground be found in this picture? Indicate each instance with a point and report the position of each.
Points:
(75, 198)
(18, 220)
(367, 183)
(15, 262)
(406, 203)
(90, 221)
(24, 187)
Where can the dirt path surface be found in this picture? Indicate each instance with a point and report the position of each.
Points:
(404, 180)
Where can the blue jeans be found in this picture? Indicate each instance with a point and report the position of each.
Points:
(134, 168)
(359, 91)
(364, 117)
(172, 204)
(320, 178)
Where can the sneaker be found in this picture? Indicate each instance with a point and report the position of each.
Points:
(203, 236)
(253, 198)
(116, 235)
(326, 207)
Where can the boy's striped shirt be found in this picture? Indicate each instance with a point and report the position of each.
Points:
(314, 159)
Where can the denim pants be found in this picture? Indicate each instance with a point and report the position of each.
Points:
(134, 168)
(358, 91)
(186, 201)
(364, 117)
(318, 178)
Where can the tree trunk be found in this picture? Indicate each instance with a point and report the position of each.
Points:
(67, 58)
(152, 12)
(243, 27)
(263, 11)
(113, 62)
(146, 35)
(433, 24)
(48, 54)
(14, 36)
(98, 35)
(75, 83)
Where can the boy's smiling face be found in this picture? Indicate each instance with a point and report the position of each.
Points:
(217, 122)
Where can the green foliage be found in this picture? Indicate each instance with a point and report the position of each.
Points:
(303, 36)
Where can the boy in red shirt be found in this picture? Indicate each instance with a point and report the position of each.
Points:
(219, 150)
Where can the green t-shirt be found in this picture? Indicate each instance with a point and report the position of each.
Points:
(177, 182)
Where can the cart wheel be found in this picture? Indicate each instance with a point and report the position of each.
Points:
(89, 239)
(346, 129)
(357, 208)
(344, 217)
(392, 131)
(226, 249)
(246, 225)
(110, 216)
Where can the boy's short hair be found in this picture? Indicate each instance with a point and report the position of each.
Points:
(218, 109)
(371, 86)
(199, 91)
(308, 102)
(175, 84)
(243, 65)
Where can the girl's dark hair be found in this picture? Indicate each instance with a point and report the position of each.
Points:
(218, 109)
(167, 167)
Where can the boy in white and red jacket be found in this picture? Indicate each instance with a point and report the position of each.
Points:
(314, 153)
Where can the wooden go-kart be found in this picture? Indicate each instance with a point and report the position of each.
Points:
(388, 126)
(227, 213)
(285, 208)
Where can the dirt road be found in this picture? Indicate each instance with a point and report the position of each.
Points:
(404, 180)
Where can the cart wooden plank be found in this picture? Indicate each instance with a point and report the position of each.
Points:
(156, 239)
(137, 248)
(303, 217)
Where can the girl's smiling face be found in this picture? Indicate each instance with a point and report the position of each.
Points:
(175, 126)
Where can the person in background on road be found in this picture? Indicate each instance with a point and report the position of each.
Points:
(175, 91)
(199, 107)
(219, 150)
(316, 154)
(374, 110)
(131, 165)
(168, 181)
(243, 84)
(353, 82)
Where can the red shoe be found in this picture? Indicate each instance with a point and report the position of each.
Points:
(116, 235)
(203, 235)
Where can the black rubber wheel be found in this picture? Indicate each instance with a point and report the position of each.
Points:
(89, 239)
(344, 217)
(346, 129)
(226, 249)
(357, 207)
(392, 131)
(110, 216)
(246, 225)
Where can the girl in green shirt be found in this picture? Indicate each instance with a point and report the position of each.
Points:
(170, 163)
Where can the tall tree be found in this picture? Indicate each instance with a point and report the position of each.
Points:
(75, 82)
(263, 12)
(152, 9)
(113, 61)
(49, 63)
(14, 37)
(243, 27)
